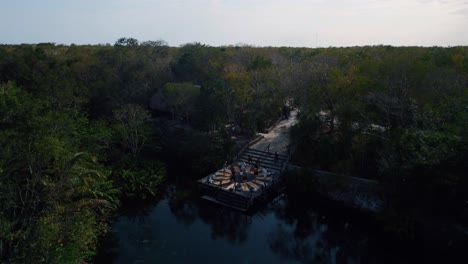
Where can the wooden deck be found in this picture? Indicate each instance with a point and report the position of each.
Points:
(228, 182)
(244, 187)
(253, 185)
(262, 183)
(230, 186)
(209, 198)
(221, 178)
(238, 186)
(221, 182)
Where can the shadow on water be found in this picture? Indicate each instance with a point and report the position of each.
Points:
(311, 232)
(183, 228)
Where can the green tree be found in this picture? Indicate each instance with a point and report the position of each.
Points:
(131, 126)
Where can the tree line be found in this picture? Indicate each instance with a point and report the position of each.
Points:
(78, 137)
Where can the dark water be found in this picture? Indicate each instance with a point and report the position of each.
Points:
(181, 228)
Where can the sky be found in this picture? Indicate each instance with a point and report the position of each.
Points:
(296, 23)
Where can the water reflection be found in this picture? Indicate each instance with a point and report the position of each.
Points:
(181, 228)
(310, 249)
(225, 223)
(181, 205)
(137, 238)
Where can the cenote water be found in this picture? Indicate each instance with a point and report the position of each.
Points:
(182, 228)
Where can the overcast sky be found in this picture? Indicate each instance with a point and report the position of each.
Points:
(305, 23)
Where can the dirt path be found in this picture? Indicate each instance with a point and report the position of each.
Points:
(278, 137)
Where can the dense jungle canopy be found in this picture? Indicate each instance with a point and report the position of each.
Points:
(79, 135)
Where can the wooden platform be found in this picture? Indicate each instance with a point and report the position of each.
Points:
(211, 199)
(229, 187)
(222, 177)
(244, 187)
(264, 178)
(253, 185)
(259, 182)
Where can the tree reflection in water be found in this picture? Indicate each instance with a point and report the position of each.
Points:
(136, 234)
(183, 228)
(305, 235)
(224, 223)
(182, 205)
(310, 249)
(300, 236)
